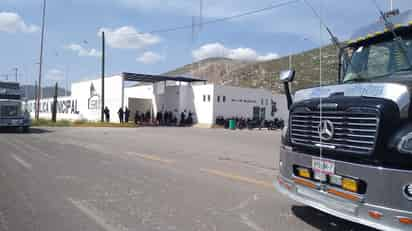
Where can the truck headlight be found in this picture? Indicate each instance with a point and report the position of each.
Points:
(405, 145)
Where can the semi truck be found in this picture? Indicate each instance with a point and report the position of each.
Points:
(346, 149)
(12, 113)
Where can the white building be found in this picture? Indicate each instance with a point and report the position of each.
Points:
(174, 94)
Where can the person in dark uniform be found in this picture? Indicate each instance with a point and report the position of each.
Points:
(190, 118)
(126, 115)
(106, 112)
(182, 118)
(137, 117)
(121, 114)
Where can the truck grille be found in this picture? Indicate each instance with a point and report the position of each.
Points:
(355, 131)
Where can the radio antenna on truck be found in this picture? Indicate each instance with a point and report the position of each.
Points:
(333, 38)
(389, 25)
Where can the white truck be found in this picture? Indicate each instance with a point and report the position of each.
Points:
(12, 114)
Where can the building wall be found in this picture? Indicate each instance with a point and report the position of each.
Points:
(67, 108)
(113, 97)
(203, 107)
(87, 94)
(201, 100)
(241, 101)
(282, 106)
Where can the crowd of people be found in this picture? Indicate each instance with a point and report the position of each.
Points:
(242, 123)
(166, 118)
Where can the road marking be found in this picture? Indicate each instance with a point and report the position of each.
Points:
(152, 157)
(92, 215)
(238, 178)
(32, 148)
(22, 162)
(251, 224)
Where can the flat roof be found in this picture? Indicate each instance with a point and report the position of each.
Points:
(157, 78)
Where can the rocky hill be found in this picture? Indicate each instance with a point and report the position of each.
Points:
(265, 74)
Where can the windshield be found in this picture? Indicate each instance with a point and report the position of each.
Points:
(378, 60)
(9, 110)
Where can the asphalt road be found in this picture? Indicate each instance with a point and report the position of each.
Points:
(111, 179)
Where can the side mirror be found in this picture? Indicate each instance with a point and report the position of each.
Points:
(287, 76)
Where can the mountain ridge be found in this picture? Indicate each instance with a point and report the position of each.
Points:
(264, 74)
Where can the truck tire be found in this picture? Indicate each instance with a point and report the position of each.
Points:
(26, 129)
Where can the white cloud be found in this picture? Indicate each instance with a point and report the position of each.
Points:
(81, 51)
(55, 75)
(11, 22)
(218, 50)
(269, 56)
(128, 37)
(150, 58)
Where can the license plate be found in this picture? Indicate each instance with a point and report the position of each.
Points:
(323, 166)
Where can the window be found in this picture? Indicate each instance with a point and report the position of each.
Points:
(274, 108)
(266, 102)
(218, 99)
(208, 98)
(224, 99)
(261, 102)
(204, 98)
(378, 60)
(9, 110)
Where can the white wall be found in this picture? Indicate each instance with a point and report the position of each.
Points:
(66, 110)
(282, 106)
(240, 102)
(204, 108)
(81, 93)
(113, 97)
(170, 97)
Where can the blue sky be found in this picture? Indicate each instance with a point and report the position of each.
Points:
(73, 43)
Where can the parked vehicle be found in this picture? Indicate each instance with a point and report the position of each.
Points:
(347, 148)
(11, 107)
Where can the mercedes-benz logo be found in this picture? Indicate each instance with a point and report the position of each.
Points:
(326, 130)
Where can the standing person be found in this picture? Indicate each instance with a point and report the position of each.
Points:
(190, 118)
(126, 115)
(106, 112)
(137, 117)
(182, 118)
(121, 114)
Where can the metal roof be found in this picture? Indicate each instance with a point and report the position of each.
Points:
(378, 28)
(157, 78)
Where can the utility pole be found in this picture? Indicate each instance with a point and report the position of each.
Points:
(391, 5)
(41, 60)
(290, 61)
(16, 71)
(103, 66)
(54, 109)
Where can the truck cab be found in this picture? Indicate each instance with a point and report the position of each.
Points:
(347, 147)
(12, 113)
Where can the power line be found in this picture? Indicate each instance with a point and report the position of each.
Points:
(218, 20)
(202, 23)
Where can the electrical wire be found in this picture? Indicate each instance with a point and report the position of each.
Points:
(218, 20)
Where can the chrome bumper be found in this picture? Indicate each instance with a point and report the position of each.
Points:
(354, 211)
